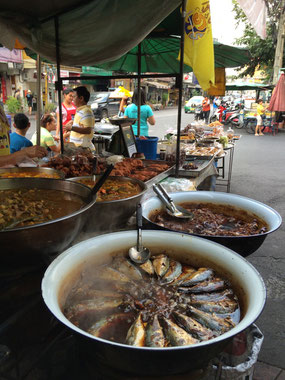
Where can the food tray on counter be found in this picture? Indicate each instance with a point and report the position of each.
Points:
(201, 163)
(161, 175)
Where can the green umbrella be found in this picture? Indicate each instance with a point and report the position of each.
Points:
(159, 55)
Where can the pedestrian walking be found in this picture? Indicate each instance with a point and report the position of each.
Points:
(206, 109)
(260, 117)
(29, 98)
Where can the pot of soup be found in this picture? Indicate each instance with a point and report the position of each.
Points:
(168, 316)
(40, 216)
(232, 220)
(116, 201)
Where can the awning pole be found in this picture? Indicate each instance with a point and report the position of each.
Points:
(180, 82)
(139, 88)
(59, 83)
(39, 98)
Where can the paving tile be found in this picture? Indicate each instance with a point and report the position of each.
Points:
(281, 376)
(264, 371)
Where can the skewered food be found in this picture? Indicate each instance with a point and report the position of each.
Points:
(159, 304)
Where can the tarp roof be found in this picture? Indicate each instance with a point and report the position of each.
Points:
(248, 86)
(90, 31)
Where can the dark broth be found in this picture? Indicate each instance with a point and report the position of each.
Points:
(213, 220)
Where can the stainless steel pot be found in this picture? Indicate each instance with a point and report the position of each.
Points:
(104, 216)
(33, 171)
(19, 244)
(65, 270)
(244, 245)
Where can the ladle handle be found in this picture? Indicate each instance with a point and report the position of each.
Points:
(158, 189)
(102, 179)
(139, 227)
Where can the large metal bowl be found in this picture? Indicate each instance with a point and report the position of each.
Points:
(244, 245)
(39, 172)
(19, 244)
(65, 270)
(105, 216)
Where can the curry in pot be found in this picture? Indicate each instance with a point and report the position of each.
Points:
(26, 207)
(113, 189)
(212, 219)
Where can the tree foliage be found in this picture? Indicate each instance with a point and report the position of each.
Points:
(262, 51)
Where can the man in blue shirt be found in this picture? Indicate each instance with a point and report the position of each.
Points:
(17, 138)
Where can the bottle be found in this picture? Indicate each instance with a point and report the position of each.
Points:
(162, 154)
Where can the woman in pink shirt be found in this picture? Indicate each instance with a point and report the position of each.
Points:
(68, 111)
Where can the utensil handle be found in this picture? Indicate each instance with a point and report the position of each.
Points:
(139, 227)
(102, 179)
(161, 188)
(161, 196)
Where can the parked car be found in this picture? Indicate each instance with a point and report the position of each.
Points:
(193, 103)
(103, 105)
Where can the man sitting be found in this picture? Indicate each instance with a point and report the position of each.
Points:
(17, 138)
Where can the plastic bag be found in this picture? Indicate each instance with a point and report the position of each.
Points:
(238, 360)
(173, 185)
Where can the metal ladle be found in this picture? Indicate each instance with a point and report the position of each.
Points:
(139, 254)
(171, 208)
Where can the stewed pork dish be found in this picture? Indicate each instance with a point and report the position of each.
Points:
(25, 207)
(161, 303)
(212, 220)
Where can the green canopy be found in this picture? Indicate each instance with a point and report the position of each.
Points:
(159, 55)
(248, 86)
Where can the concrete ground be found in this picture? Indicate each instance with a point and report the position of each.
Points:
(258, 173)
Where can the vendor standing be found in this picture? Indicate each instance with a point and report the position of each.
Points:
(146, 113)
(82, 127)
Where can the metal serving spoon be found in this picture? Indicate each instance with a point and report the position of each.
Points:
(171, 208)
(139, 254)
(101, 181)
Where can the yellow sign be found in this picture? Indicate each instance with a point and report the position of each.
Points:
(198, 45)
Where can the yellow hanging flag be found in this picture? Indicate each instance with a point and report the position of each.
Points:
(198, 45)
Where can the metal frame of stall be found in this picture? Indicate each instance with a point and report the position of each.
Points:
(138, 76)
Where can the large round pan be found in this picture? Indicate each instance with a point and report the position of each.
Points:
(105, 216)
(66, 269)
(244, 245)
(18, 244)
(32, 172)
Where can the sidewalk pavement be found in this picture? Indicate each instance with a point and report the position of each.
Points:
(263, 371)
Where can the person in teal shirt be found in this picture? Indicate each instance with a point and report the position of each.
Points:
(146, 113)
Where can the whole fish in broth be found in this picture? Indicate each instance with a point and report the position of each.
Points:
(176, 335)
(154, 334)
(136, 333)
(160, 264)
(158, 304)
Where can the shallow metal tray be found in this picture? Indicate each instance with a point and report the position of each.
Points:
(161, 175)
(202, 166)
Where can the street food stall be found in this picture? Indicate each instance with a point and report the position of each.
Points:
(147, 302)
